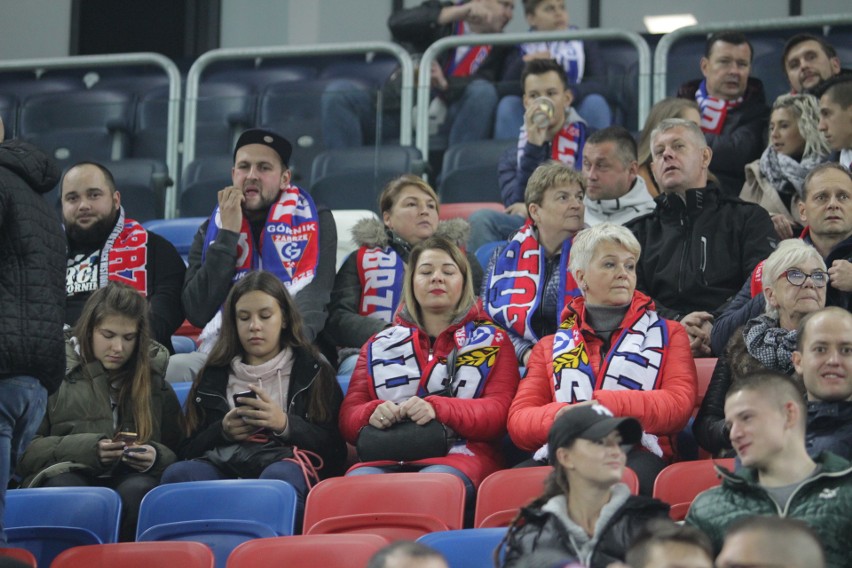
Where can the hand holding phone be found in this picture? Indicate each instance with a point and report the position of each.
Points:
(244, 394)
(135, 449)
(125, 436)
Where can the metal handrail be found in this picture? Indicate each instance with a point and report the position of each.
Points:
(193, 78)
(172, 132)
(644, 94)
(662, 52)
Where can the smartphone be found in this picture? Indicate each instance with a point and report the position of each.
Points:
(126, 437)
(244, 394)
(134, 450)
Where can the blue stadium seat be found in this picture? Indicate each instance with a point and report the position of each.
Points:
(466, 548)
(621, 60)
(208, 168)
(179, 232)
(199, 198)
(471, 183)
(9, 113)
(182, 389)
(351, 191)
(375, 71)
(479, 153)
(183, 344)
(224, 110)
(404, 159)
(483, 253)
(684, 62)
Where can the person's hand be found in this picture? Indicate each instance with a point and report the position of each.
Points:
(231, 208)
(519, 208)
(535, 134)
(385, 415)
(437, 79)
(140, 458)
(234, 428)
(698, 326)
(783, 226)
(109, 452)
(840, 275)
(537, 55)
(480, 14)
(570, 407)
(417, 410)
(262, 412)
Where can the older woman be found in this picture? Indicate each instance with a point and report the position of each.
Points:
(612, 348)
(585, 513)
(529, 282)
(796, 146)
(404, 373)
(794, 282)
(671, 107)
(368, 286)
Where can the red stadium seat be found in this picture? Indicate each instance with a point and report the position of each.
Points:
(465, 210)
(19, 554)
(307, 551)
(679, 483)
(185, 554)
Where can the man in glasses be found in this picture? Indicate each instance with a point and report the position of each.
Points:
(826, 212)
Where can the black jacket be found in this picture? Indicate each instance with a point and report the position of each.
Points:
(696, 254)
(742, 137)
(830, 428)
(542, 530)
(32, 267)
(321, 438)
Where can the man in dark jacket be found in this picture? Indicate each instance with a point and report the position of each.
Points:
(32, 300)
(105, 245)
(733, 107)
(766, 412)
(823, 358)
(698, 246)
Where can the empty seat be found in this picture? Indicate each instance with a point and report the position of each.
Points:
(479, 153)
(679, 483)
(465, 210)
(180, 232)
(24, 84)
(308, 551)
(223, 111)
(403, 159)
(199, 198)
(466, 548)
(20, 554)
(9, 114)
(683, 62)
(470, 183)
(49, 112)
(351, 191)
(375, 70)
(209, 168)
(137, 555)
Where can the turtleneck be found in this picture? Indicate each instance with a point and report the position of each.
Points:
(273, 377)
(605, 319)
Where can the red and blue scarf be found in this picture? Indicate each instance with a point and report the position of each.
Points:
(124, 256)
(380, 271)
(566, 146)
(466, 59)
(570, 54)
(714, 111)
(516, 285)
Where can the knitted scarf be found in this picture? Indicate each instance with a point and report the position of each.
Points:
(783, 172)
(567, 144)
(466, 59)
(124, 256)
(770, 344)
(380, 272)
(713, 111)
(570, 55)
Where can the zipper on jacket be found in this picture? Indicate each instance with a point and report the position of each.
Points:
(684, 223)
(703, 254)
(300, 391)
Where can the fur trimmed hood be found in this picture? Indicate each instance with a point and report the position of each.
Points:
(372, 232)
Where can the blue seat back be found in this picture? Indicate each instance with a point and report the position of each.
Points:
(180, 232)
(483, 253)
(182, 389)
(466, 548)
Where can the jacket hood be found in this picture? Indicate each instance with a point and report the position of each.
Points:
(637, 199)
(31, 164)
(371, 232)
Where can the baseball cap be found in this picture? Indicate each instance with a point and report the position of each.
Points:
(590, 423)
(267, 138)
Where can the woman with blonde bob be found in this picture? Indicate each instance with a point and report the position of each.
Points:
(794, 281)
(402, 373)
(796, 146)
(613, 349)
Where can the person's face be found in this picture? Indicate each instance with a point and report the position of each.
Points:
(258, 172)
(437, 282)
(727, 70)
(114, 341)
(548, 85)
(259, 325)
(807, 65)
(757, 426)
(87, 202)
(825, 361)
(784, 133)
(606, 176)
(795, 302)
(749, 549)
(413, 216)
(600, 462)
(560, 212)
(549, 15)
(692, 115)
(610, 279)
(677, 555)
(678, 162)
(827, 208)
(835, 123)
(402, 560)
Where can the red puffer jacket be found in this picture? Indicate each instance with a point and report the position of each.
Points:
(663, 411)
(481, 420)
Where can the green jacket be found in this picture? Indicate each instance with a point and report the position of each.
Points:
(79, 414)
(823, 501)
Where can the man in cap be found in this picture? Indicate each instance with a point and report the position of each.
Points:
(261, 222)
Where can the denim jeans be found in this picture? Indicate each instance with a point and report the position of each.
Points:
(487, 226)
(23, 400)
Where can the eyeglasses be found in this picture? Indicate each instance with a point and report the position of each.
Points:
(796, 277)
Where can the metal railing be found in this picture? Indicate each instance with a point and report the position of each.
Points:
(434, 50)
(667, 41)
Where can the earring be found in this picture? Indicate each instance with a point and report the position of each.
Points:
(585, 286)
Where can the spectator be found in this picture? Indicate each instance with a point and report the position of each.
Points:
(771, 541)
(265, 402)
(664, 544)
(114, 421)
(835, 111)
(585, 511)
(733, 107)
(794, 283)
(407, 554)
(105, 245)
(766, 413)
(613, 349)
(464, 96)
(614, 191)
(826, 211)
(552, 131)
(795, 147)
(402, 373)
(529, 282)
(822, 359)
(582, 61)
(260, 222)
(667, 108)
(32, 300)
(368, 286)
(808, 61)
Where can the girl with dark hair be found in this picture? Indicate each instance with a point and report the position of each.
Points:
(114, 421)
(265, 404)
